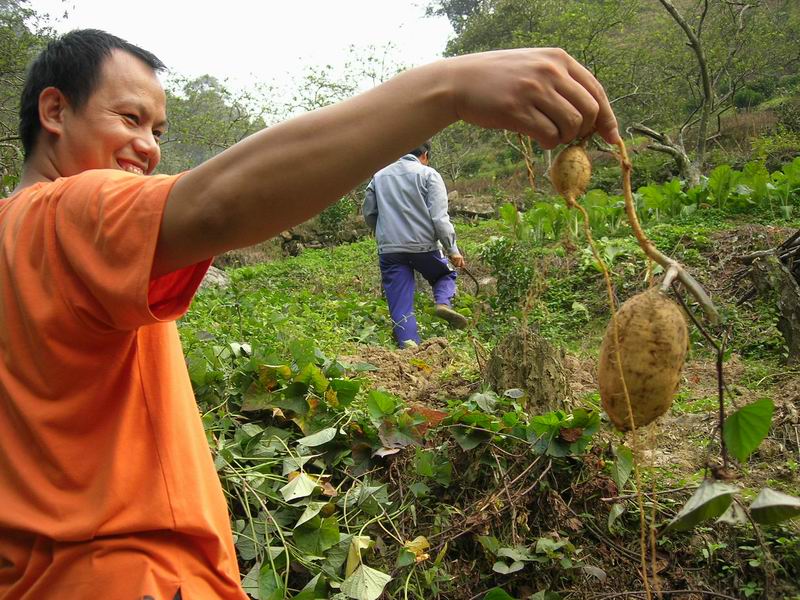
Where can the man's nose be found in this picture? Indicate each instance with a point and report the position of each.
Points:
(147, 145)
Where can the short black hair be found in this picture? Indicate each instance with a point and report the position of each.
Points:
(422, 149)
(71, 63)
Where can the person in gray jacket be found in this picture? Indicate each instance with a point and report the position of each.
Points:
(406, 206)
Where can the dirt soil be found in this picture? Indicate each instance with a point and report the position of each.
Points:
(728, 245)
(417, 375)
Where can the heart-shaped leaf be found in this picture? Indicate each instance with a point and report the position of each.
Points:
(469, 438)
(357, 544)
(735, 515)
(365, 583)
(771, 506)
(505, 569)
(317, 535)
(311, 511)
(622, 467)
(299, 487)
(710, 500)
(317, 439)
(497, 594)
(744, 429)
(616, 511)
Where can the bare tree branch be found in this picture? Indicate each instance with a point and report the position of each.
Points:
(697, 48)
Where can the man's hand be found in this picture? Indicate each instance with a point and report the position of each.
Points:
(540, 92)
(457, 260)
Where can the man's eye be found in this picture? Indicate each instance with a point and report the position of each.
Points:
(132, 118)
(157, 133)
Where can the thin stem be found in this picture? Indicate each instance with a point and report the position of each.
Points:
(720, 351)
(650, 250)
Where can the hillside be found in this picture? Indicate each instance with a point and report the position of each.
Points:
(332, 443)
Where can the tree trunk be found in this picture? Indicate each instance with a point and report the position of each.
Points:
(774, 281)
(705, 79)
(527, 361)
(687, 169)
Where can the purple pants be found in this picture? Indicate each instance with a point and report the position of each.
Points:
(397, 276)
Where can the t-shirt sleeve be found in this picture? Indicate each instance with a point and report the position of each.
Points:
(104, 235)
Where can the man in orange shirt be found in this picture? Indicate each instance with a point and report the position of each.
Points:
(107, 486)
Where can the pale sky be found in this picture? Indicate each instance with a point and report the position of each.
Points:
(247, 41)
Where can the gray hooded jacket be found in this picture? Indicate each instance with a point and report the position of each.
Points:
(406, 207)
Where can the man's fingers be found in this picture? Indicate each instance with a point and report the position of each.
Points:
(571, 112)
(586, 106)
(606, 122)
(542, 129)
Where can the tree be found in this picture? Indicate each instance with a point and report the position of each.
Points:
(718, 32)
(456, 11)
(321, 86)
(670, 67)
(21, 37)
(453, 148)
(205, 117)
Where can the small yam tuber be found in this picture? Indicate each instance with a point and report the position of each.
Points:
(571, 172)
(653, 339)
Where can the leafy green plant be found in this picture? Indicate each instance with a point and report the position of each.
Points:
(742, 433)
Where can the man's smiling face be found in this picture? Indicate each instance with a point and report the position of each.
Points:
(120, 124)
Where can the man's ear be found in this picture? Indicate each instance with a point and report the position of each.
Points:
(52, 104)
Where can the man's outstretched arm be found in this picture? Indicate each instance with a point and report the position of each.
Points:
(287, 173)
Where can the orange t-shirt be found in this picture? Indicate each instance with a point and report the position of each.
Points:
(107, 486)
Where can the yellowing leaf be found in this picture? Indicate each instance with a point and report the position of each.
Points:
(329, 490)
(357, 544)
(421, 365)
(418, 546)
(331, 397)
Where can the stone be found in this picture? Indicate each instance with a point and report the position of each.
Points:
(215, 277)
(476, 207)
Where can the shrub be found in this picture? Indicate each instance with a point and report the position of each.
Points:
(776, 149)
(789, 114)
(332, 218)
(747, 98)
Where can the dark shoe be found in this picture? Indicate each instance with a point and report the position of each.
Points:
(455, 319)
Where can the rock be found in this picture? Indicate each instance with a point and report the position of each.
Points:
(215, 277)
(293, 247)
(477, 207)
(525, 360)
(488, 285)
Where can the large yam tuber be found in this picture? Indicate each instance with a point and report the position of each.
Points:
(653, 340)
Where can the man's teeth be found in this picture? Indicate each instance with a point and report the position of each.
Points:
(133, 169)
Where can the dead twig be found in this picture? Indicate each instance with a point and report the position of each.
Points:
(629, 496)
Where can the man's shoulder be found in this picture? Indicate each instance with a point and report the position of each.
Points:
(407, 164)
(108, 183)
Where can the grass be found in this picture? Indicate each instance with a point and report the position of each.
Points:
(331, 299)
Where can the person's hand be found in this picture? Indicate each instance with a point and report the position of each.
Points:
(541, 92)
(457, 260)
